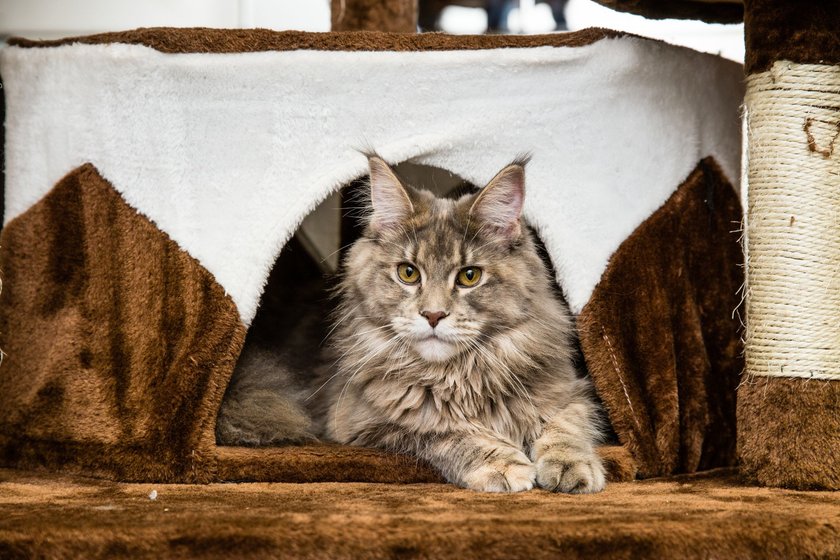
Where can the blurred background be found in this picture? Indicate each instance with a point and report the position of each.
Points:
(47, 19)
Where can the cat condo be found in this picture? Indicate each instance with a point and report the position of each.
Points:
(154, 176)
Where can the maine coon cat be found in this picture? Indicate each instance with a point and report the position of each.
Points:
(453, 346)
(450, 344)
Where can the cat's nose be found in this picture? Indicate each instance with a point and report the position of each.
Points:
(433, 317)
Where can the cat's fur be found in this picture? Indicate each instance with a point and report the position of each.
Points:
(489, 395)
(265, 402)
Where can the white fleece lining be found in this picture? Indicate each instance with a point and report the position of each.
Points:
(227, 153)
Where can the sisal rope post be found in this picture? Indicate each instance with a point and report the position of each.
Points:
(792, 225)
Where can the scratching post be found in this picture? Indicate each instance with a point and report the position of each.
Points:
(793, 244)
(398, 16)
(789, 399)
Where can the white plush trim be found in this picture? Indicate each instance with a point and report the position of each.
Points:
(228, 152)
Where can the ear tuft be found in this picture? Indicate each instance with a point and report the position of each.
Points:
(499, 204)
(389, 198)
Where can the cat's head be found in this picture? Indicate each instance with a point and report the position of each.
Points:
(441, 276)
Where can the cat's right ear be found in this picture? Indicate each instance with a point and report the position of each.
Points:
(391, 204)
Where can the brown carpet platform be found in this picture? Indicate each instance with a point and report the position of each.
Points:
(712, 515)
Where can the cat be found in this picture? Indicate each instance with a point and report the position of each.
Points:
(453, 346)
(450, 344)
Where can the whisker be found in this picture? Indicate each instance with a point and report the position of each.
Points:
(337, 251)
(341, 320)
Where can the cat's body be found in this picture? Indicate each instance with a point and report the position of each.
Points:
(451, 345)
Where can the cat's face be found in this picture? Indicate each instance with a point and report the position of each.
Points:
(441, 277)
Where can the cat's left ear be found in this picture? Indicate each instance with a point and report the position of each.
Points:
(499, 204)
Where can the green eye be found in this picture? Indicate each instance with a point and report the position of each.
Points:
(468, 277)
(408, 274)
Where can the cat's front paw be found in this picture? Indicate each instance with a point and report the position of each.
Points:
(581, 474)
(508, 474)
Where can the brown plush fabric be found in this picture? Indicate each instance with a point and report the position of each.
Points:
(659, 335)
(804, 32)
(789, 432)
(118, 344)
(710, 516)
(710, 11)
(204, 40)
(620, 465)
(320, 463)
(374, 15)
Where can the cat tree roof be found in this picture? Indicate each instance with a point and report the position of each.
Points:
(543, 100)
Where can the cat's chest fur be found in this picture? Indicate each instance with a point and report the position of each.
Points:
(440, 398)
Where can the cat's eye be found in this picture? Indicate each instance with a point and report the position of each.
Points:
(468, 276)
(408, 273)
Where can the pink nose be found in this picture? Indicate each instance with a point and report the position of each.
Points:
(433, 317)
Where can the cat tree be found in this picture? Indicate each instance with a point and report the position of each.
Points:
(128, 291)
(121, 327)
